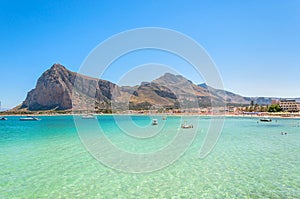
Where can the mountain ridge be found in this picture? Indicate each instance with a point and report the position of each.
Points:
(61, 89)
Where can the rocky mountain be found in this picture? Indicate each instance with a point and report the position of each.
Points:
(230, 98)
(188, 94)
(61, 89)
(235, 99)
(56, 86)
(151, 94)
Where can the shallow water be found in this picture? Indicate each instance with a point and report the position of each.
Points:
(251, 160)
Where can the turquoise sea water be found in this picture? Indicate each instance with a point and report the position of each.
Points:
(46, 159)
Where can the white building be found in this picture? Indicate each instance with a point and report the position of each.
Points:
(289, 105)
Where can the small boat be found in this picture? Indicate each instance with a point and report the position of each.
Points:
(88, 116)
(186, 126)
(154, 122)
(3, 118)
(164, 118)
(265, 119)
(30, 118)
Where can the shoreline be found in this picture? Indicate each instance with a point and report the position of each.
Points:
(283, 116)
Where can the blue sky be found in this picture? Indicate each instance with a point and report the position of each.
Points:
(255, 44)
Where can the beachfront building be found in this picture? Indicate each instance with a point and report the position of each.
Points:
(289, 105)
(298, 106)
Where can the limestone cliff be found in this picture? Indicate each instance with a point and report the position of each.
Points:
(56, 86)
